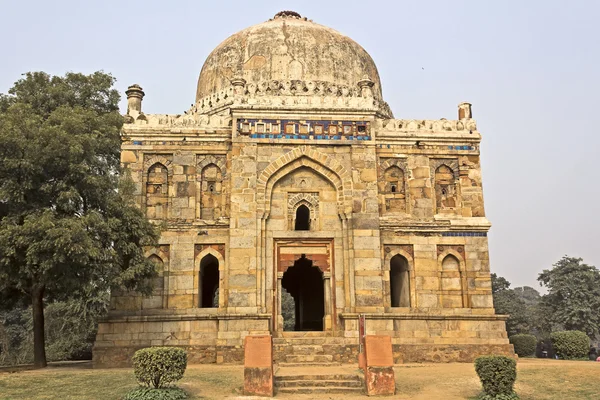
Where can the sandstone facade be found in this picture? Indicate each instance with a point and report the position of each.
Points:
(290, 177)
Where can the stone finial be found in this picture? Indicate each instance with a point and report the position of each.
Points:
(366, 86)
(287, 14)
(135, 95)
(464, 110)
(238, 84)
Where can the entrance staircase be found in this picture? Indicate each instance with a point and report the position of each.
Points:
(302, 365)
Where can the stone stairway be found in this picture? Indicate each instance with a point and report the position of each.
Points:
(321, 379)
(308, 362)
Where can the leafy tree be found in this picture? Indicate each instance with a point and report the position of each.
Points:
(510, 301)
(499, 284)
(65, 230)
(573, 297)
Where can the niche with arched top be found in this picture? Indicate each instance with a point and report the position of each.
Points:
(210, 192)
(156, 300)
(399, 282)
(393, 190)
(157, 191)
(208, 282)
(452, 286)
(446, 196)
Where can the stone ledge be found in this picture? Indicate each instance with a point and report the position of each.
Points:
(423, 316)
(184, 317)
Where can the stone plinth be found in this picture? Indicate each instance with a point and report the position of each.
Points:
(379, 371)
(258, 366)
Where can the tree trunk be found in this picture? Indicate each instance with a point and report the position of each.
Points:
(39, 342)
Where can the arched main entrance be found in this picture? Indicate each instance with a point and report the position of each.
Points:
(304, 283)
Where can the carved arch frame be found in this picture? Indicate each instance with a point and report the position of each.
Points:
(196, 277)
(203, 161)
(462, 272)
(451, 163)
(405, 252)
(402, 164)
(333, 171)
(149, 161)
(162, 252)
(311, 201)
(303, 156)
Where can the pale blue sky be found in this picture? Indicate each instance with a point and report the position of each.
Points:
(530, 68)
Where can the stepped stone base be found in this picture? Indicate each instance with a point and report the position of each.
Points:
(329, 352)
(320, 379)
(435, 353)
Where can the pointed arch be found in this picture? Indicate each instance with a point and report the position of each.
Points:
(218, 160)
(452, 272)
(303, 156)
(445, 176)
(198, 270)
(410, 283)
(163, 159)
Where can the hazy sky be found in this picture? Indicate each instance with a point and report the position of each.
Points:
(530, 69)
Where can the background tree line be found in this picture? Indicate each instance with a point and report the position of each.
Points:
(572, 301)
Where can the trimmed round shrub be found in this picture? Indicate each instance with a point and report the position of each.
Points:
(524, 344)
(570, 345)
(159, 366)
(497, 375)
(171, 393)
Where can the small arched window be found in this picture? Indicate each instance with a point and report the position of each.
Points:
(209, 282)
(302, 218)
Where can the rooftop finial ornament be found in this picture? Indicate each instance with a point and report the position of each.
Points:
(135, 95)
(287, 14)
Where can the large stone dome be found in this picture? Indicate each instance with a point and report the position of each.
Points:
(287, 47)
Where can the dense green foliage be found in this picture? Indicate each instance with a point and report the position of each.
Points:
(65, 230)
(497, 375)
(288, 311)
(521, 304)
(573, 298)
(570, 345)
(70, 330)
(524, 344)
(159, 366)
(171, 393)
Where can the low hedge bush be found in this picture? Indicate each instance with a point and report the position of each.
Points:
(570, 345)
(159, 366)
(524, 344)
(497, 375)
(172, 393)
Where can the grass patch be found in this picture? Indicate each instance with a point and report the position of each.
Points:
(536, 380)
(201, 382)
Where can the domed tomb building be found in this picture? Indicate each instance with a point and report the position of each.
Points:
(291, 202)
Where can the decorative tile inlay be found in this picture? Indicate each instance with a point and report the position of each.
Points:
(304, 129)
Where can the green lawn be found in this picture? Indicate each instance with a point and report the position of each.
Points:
(536, 380)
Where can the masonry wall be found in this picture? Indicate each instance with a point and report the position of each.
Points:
(230, 197)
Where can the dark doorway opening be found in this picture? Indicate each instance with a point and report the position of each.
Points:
(399, 282)
(302, 218)
(304, 283)
(209, 282)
